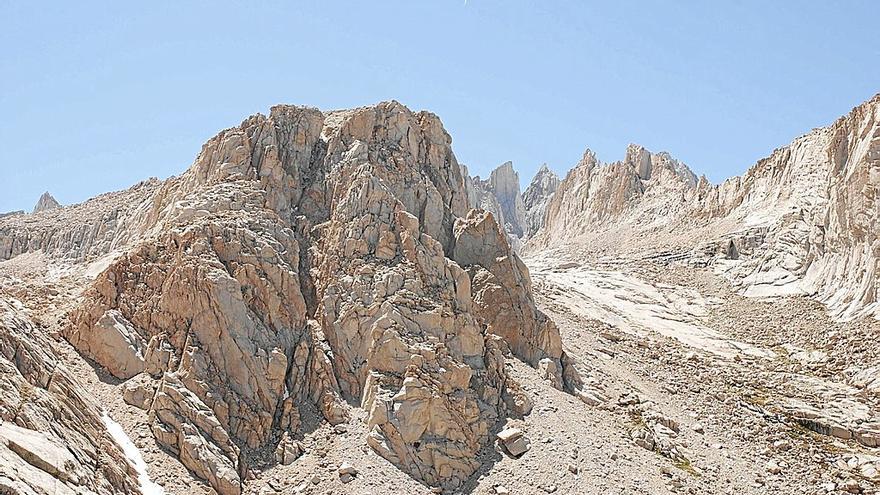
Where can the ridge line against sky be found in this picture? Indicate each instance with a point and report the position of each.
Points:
(108, 94)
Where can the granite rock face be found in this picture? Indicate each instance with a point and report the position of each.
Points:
(815, 203)
(316, 258)
(500, 195)
(643, 190)
(83, 231)
(504, 184)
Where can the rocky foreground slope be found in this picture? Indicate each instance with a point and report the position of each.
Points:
(53, 436)
(307, 263)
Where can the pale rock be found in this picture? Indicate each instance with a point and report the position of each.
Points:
(288, 450)
(139, 392)
(802, 221)
(781, 445)
(513, 441)
(112, 343)
(594, 197)
(500, 195)
(347, 472)
(503, 301)
(158, 356)
(83, 232)
(308, 257)
(850, 485)
(41, 452)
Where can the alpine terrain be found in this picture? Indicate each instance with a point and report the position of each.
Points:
(327, 302)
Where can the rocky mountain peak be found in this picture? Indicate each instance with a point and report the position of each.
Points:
(499, 195)
(310, 262)
(639, 159)
(46, 202)
(677, 167)
(646, 164)
(536, 197)
(543, 184)
(504, 183)
(588, 160)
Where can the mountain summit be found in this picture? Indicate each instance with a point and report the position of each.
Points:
(46, 202)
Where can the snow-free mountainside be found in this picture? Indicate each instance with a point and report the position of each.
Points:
(327, 302)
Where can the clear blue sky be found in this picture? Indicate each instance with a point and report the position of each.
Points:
(97, 96)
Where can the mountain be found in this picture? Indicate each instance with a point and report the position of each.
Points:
(326, 302)
(643, 190)
(499, 195)
(536, 197)
(309, 266)
(46, 202)
(802, 221)
(521, 214)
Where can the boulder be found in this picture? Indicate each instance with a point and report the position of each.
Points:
(112, 343)
(513, 441)
(288, 450)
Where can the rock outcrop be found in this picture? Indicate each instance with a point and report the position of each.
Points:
(313, 261)
(12, 213)
(46, 202)
(52, 438)
(815, 204)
